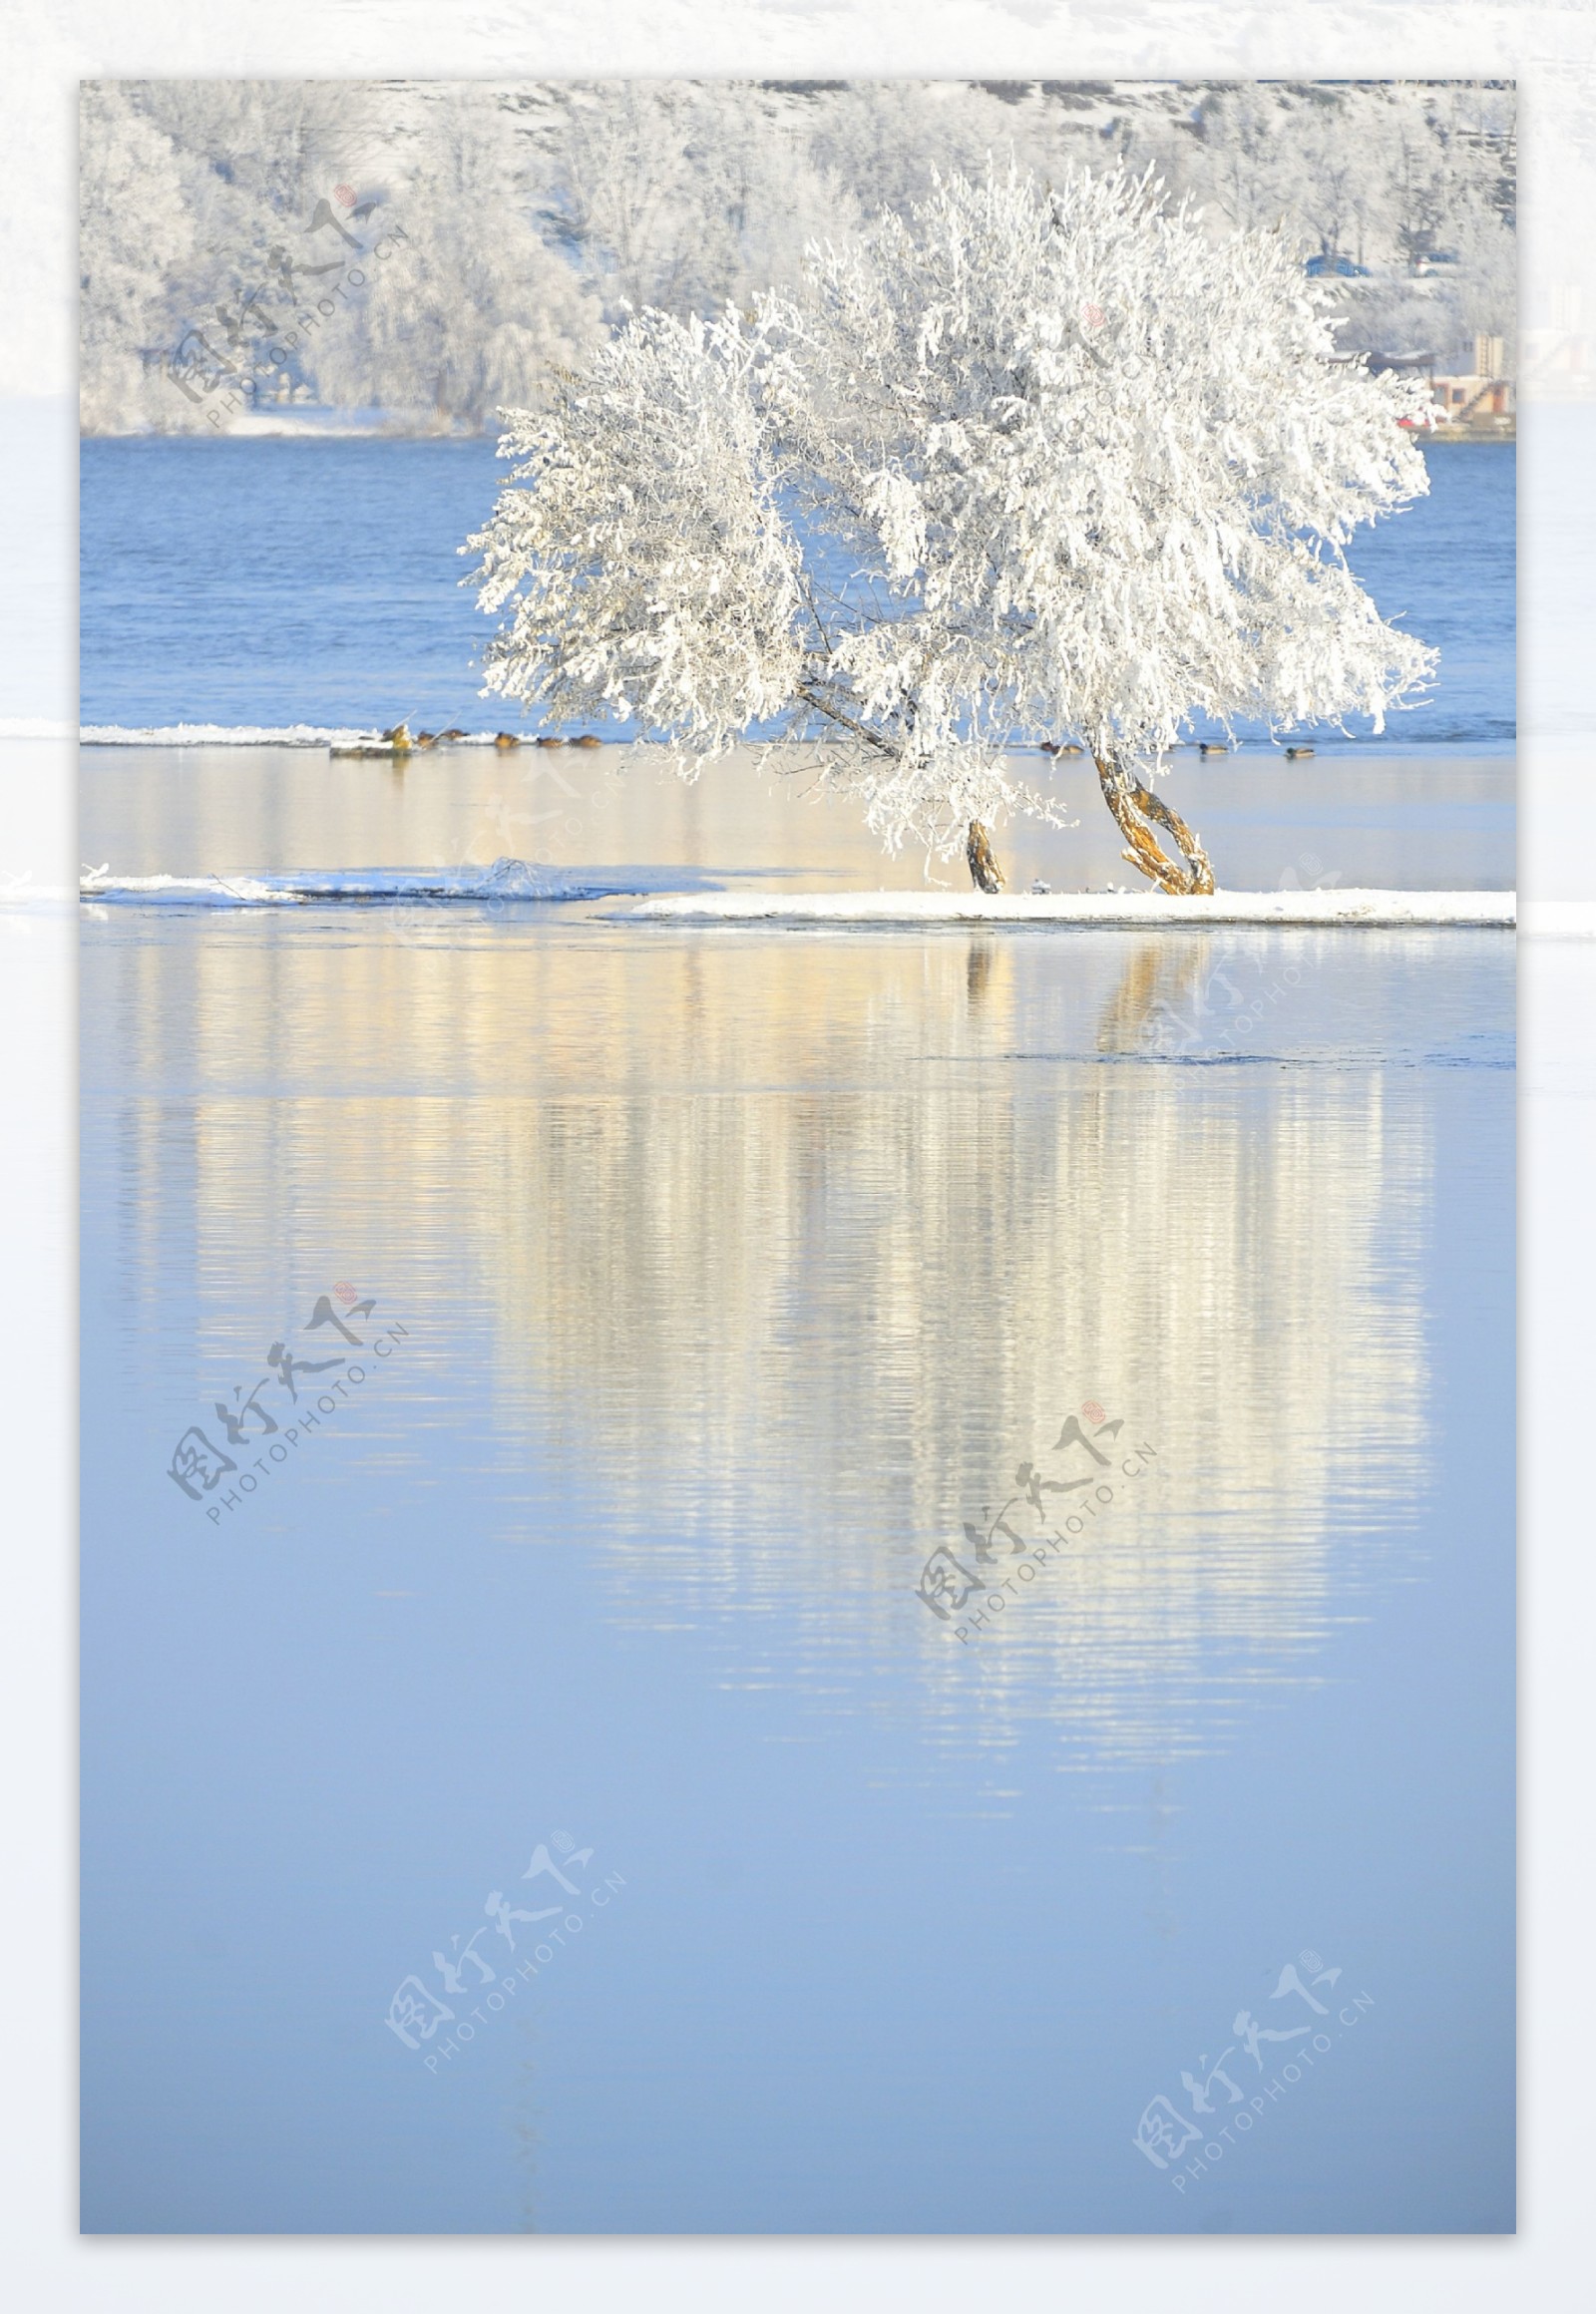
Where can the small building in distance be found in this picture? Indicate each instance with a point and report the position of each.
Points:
(1481, 401)
(1477, 401)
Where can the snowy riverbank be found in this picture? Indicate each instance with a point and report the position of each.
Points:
(514, 881)
(1149, 909)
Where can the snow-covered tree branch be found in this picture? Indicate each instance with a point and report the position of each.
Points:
(1024, 464)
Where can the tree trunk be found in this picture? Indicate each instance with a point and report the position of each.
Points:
(984, 873)
(1133, 806)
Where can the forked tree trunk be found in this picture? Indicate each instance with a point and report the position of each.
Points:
(984, 873)
(1133, 807)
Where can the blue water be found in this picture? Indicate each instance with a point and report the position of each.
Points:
(269, 583)
(716, 1280)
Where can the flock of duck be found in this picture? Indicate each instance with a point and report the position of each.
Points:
(401, 741)
(1204, 747)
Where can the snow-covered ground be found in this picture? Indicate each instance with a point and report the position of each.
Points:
(319, 735)
(1084, 908)
(515, 879)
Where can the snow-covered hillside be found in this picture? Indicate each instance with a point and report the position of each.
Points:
(428, 250)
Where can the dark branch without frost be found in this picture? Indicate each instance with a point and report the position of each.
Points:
(812, 699)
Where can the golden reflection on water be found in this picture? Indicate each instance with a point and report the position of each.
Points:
(1414, 823)
(793, 1249)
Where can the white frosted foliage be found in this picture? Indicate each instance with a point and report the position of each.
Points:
(1024, 463)
(652, 569)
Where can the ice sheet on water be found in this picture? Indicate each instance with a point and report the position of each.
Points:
(245, 735)
(505, 879)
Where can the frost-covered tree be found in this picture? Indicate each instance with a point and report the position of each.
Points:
(133, 231)
(1033, 464)
(475, 310)
(650, 191)
(254, 156)
(682, 196)
(199, 199)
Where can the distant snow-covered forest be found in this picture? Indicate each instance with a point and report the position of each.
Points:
(254, 254)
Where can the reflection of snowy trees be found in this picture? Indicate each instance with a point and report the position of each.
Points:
(784, 1261)
(538, 212)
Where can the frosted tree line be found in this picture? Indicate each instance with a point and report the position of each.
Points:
(468, 243)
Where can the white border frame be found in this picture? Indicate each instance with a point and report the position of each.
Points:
(1550, 50)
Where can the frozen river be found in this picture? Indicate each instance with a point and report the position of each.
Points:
(706, 1285)
(806, 1581)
